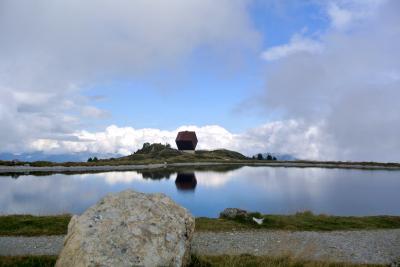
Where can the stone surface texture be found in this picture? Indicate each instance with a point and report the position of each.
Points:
(232, 213)
(129, 229)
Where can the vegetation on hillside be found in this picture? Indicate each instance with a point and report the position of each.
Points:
(166, 153)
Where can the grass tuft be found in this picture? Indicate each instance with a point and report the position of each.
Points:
(244, 260)
(301, 221)
(28, 225)
(27, 261)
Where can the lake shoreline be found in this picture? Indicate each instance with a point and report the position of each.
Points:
(100, 168)
(57, 224)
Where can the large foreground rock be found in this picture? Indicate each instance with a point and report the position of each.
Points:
(129, 229)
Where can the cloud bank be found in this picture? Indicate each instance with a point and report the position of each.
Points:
(351, 88)
(298, 44)
(292, 137)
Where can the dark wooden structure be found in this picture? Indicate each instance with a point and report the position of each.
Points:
(186, 141)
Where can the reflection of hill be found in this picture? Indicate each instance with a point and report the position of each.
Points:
(157, 174)
(218, 168)
(161, 173)
(186, 181)
(16, 175)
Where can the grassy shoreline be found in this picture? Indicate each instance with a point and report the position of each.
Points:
(28, 225)
(78, 168)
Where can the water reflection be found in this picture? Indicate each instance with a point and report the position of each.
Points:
(186, 181)
(156, 174)
(264, 189)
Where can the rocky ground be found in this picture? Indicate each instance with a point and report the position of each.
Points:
(38, 245)
(378, 246)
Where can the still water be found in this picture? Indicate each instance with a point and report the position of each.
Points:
(206, 192)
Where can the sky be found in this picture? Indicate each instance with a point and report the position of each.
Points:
(315, 79)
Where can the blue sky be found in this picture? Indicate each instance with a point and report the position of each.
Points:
(315, 79)
(204, 91)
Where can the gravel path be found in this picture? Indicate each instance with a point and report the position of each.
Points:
(37, 245)
(378, 246)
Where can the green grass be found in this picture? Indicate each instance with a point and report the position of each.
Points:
(220, 225)
(27, 225)
(250, 261)
(303, 221)
(196, 261)
(27, 261)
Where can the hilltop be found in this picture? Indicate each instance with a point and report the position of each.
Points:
(162, 153)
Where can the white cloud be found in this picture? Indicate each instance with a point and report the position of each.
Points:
(344, 13)
(298, 44)
(291, 137)
(113, 178)
(93, 112)
(340, 17)
(215, 180)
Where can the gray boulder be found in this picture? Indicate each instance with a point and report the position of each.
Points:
(129, 229)
(232, 213)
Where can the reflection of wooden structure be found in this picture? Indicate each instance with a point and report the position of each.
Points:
(186, 141)
(186, 181)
